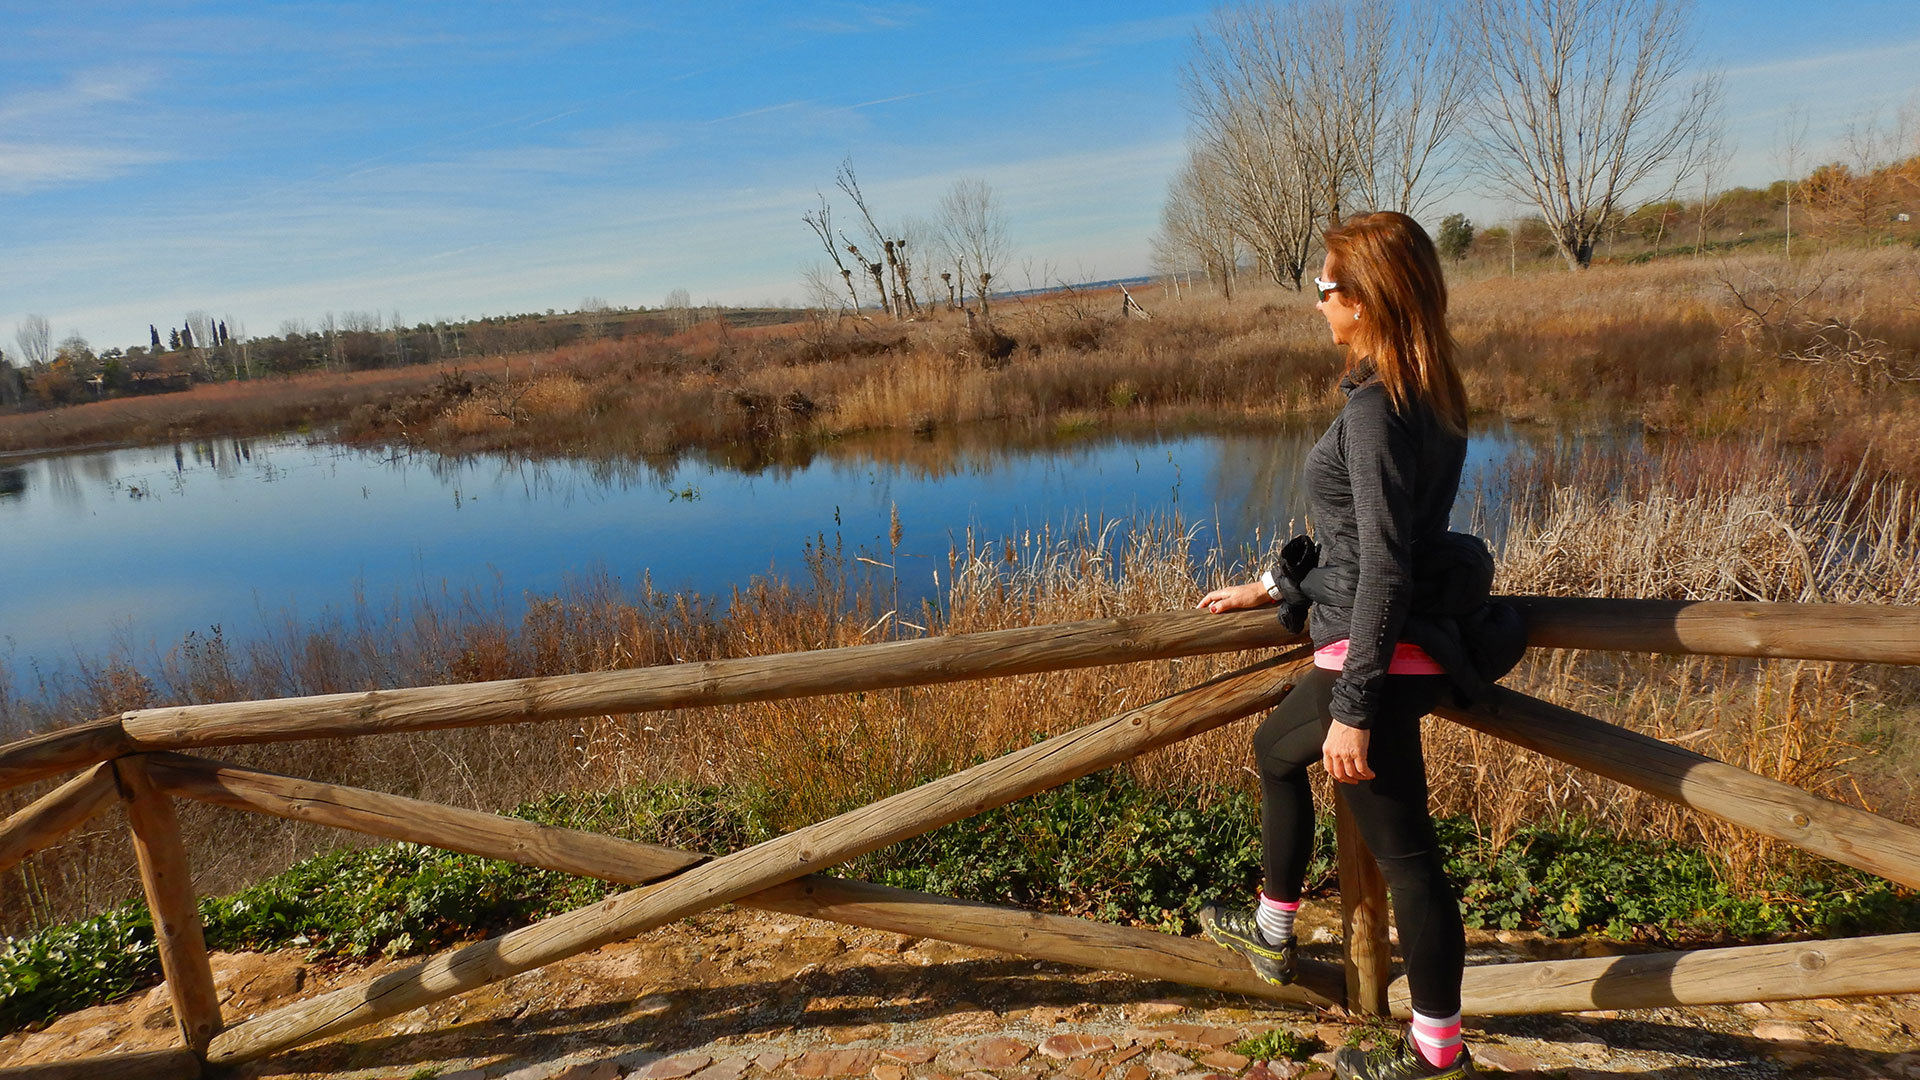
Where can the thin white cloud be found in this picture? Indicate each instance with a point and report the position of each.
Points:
(759, 112)
(28, 167)
(1094, 43)
(861, 18)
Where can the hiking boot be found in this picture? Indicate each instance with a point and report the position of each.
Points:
(1398, 1061)
(1238, 930)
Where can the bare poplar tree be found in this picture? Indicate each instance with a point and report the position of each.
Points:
(1583, 102)
(1196, 227)
(974, 230)
(1249, 147)
(34, 335)
(821, 222)
(1789, 153)
(896, 291)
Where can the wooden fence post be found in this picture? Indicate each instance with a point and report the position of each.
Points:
(176, 917)
(1363, 915)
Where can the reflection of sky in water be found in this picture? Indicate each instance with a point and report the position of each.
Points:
(135, 548)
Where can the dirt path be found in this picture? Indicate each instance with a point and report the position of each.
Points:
(738, 995)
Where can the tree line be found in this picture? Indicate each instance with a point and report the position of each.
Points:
(1302, 111)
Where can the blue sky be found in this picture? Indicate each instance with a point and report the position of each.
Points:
(278, 161)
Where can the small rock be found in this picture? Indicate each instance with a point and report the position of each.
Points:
(1166, 1061)
(1775, 1031)
(855, 1034)
(542, 1071)
(674, 1068)
(918, 1054)
(888, 1072)
(1224, 1060)
(1501, 1057)
(1191, 1034)
(999, 1052)
(1136, 1072)
(1153, 1010)
(1086, 1068)
(1128, 1053)
(732, 1068)
(1324, 1057)
(818, 1063)
(1068, 1047)
(769, 1060)
(1220, 1036)
(1331, 1034)
(589, 1070)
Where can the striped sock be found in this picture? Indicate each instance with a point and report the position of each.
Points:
(1275, 918)
(1437, 1040)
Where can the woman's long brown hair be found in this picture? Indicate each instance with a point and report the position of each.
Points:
(1386, 264)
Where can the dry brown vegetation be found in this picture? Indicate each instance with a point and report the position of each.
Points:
(1700, 523)
(1817, 353)
(1821, 352)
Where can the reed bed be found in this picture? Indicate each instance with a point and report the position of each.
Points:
(1822, 352)
(1700, 522)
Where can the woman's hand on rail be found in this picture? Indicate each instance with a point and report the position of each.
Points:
(1344, 753)
(1235, 597)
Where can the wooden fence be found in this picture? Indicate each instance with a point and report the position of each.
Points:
(137, 758)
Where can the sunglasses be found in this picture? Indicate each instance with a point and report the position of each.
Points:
(1324, 287)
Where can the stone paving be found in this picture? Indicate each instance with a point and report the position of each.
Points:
(742, 995)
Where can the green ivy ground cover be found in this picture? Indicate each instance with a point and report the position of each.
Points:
(1101, 846)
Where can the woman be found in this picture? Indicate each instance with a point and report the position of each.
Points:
(1381, 483)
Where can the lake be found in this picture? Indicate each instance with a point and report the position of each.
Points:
(128, 550)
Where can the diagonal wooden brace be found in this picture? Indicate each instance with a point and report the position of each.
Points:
(1846, 834)
(794, 855)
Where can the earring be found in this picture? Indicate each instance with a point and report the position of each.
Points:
(1356, 316)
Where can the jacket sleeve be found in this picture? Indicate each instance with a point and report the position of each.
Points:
(1382, 459)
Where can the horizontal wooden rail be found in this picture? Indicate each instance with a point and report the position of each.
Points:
(1846, 834)
(44, 821)
(1842, 967)
(178, 1064)
(922, 661)
(1857, 632)
(1864, 633)
(1146, 953)
(798, 853)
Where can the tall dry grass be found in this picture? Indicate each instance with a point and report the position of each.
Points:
(1690, 523)
(1700, 347)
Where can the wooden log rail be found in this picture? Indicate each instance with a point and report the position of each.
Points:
(128, 756)
(1856, 632)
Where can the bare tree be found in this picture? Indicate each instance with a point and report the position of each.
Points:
(1789, 153)
(896, 292)
(34, 335)
(974, 229)
(679, 309)
(821, 222)
(1249, 148)
(1584, 102)
(1196, 227)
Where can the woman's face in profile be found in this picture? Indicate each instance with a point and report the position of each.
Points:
(1340, 314)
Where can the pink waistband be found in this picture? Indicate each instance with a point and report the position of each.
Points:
(1408, 659)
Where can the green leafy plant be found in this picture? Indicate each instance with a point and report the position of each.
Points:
(1279, 1044)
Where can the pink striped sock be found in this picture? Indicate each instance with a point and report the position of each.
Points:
(1437, 1040)
(1275, 918)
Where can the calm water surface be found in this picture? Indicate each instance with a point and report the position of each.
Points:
(129, 550)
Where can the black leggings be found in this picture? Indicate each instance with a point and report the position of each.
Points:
(1390, 810)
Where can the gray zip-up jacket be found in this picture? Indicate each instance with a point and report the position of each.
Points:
(1379, 485)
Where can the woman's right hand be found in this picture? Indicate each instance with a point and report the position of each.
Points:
(1236, 597)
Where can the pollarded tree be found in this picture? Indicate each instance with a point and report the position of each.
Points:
(1585, 101)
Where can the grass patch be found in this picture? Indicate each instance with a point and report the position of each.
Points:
(1279, 1045)
(1103, 846)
